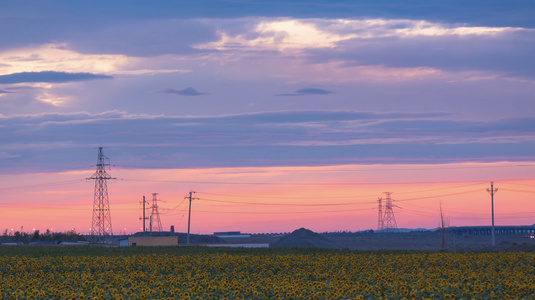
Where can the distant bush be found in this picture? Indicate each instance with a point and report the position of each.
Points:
(26, 237)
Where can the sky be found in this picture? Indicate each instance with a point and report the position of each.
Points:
(279, 114)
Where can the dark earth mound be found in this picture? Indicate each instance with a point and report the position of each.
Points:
(304, 238)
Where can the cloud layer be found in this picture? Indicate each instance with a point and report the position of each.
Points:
(282, 83)
(49, 76)
(259, 139)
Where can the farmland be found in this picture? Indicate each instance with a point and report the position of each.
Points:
(86, 272)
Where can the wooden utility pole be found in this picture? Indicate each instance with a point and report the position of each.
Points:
(442, 227)
(190, 197)
(492, 190)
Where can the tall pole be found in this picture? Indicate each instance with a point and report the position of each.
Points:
(492, 190)
(144, 218)
(189, 214)
(442, 227)
(189, 217)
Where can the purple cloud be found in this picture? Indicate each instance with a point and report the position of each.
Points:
(307, 92)
(184, 92)
(260, 139)
(49, 76)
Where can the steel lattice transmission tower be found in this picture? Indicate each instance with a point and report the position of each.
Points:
(155, 222)
(380, 220)
(389, 219)
(101, 224)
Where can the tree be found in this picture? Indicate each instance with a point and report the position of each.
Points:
(35, 235)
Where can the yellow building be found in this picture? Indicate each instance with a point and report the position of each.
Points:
(153, 241)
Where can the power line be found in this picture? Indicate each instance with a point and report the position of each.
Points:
(298, 183)
(285, 212)
(417, 212)
(176, 207)
(331, 204)
(286, 197)
(365, 168)
(177, 213)
(520, 191)
(438, 196)
(39, 185)
(277, 204)
(516, 183)
(65, 208)
(440, 189)
(336, 197)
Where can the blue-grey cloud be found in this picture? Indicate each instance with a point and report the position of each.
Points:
(507, 53)
(308, 92)
(147, 38)
(259, 139)
(19, 87)
(49, 76)
(493, 12)
(4, 92)
(139, 28)
(184, 92)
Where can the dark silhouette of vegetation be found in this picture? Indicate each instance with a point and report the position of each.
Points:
(26, 237)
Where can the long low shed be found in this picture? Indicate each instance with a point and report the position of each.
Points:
(152, 241)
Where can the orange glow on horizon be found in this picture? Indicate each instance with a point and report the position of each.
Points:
(276, 199)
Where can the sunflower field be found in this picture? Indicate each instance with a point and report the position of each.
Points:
(197, 273)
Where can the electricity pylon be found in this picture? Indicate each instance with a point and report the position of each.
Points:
(380, 221)
(155, 222)
(389, 218)
(101, 223)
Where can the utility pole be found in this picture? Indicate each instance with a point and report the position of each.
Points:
(190, 197)
(144, 218)
(442, 227)
(380, 221)
(101, 223)
(492, 190)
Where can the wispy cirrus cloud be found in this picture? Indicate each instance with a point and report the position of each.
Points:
(261, 139)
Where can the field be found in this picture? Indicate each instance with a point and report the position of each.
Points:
(90, 272)
(422, 241)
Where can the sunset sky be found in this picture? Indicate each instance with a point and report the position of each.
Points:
(278, 114)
